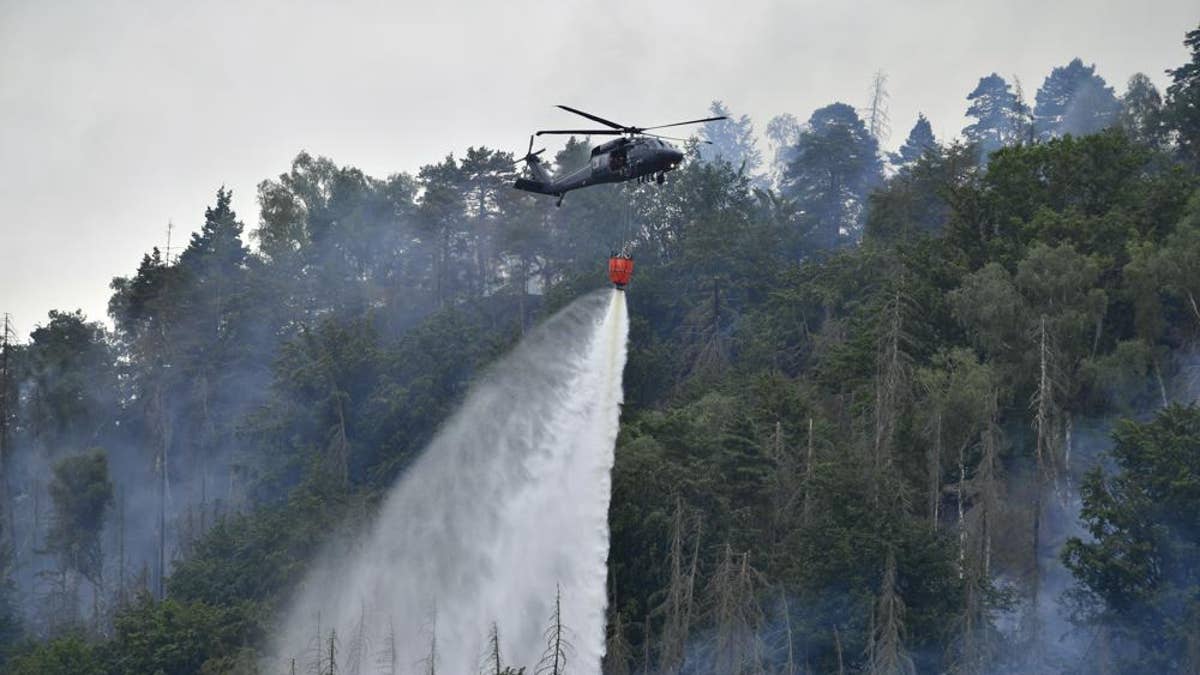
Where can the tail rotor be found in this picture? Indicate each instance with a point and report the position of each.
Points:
(530, 155)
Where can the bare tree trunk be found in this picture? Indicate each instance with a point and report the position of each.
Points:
(790, 666)
(808, 474)
(837, 646)
(678, 605)
(935, 472)
(618, 652)
(888, 656)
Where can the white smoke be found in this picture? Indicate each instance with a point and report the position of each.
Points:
(508, 502)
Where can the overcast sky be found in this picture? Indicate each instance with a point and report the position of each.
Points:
(117, 117)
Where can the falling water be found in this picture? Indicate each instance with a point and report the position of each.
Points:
(508, 502)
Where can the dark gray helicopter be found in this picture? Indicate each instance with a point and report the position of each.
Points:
(636, 155)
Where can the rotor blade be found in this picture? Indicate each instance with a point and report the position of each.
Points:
(584, 132)
(529, 156)
(530, 145)
(676, 138)
(679, 124)
(594, 118)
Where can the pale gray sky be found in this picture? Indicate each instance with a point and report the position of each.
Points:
(116, 117)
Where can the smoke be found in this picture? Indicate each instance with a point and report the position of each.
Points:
(507, 506)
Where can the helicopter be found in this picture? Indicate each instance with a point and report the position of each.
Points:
(636, 155)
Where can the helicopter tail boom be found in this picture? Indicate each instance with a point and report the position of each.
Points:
(539, 187)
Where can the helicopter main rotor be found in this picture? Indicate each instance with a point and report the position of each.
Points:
(615, 129)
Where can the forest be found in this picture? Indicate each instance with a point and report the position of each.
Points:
(922, 411)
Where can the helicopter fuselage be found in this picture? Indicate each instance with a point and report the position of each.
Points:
(616, 161)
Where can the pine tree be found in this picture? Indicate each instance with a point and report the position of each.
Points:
(730, 140)
(994, 107)
(920, 139)
(1074, 100)
(835, 166)
(1182, 111)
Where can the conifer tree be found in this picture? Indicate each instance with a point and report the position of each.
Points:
(887, 654)
(1074, 100)
(1183, 101)
(558, 645)
(877, 119)
(833, 169)
(730, 140)
(677, 608)
(920, 139)
(994, 108)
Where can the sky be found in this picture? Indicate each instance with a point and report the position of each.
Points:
(117, 117)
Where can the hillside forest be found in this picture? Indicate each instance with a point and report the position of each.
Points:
(923, 410)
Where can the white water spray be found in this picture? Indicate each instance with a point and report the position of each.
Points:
(509, 501)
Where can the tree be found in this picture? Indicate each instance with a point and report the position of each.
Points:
(1182, 111)
(1138, 573)
(995, 109)
(835, 166)
(558, 644)
(10, 618)
(72, 385)
(735, 615)
(887, 655)
(878, 122)
(1074, 100)
(618, 652)
(1142, 111)
(783, 132)
(69, 655)
(677, 607)
(920, 140)
(81, 493)
(730, 140)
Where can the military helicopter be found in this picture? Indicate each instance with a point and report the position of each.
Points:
(636, 155)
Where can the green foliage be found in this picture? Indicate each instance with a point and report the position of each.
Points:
(70, 655)
(1138, 571)
(1074, 100)
(70, 370)
(262, 555)
(920, 140)
(176, 637)
(834, 167)
(81, 492)
(1182, 111)
(995, 110)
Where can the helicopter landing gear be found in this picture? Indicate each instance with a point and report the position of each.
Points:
(661, 177)
(560, 198)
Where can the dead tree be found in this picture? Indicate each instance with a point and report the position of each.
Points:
(618, 652)
(736, 616)
(878, 122)
(887, 655)
(386, 660)
(677, 608)
(893, 366)
(558, 646)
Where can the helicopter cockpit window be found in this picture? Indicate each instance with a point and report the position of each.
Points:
(616, 159)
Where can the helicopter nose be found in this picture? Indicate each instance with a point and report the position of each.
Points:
(674, 156)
